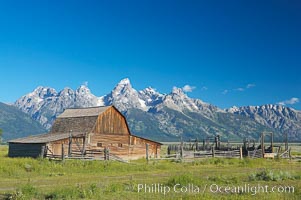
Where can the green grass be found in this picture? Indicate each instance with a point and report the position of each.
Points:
(26, 178)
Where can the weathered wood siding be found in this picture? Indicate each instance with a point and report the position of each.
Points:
(118, 144)
(25, 150)
(76, 124)
(111, 122)
(55, 147)
(124, 146)
(138, 148)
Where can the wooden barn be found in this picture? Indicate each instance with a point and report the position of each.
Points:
(87, 133)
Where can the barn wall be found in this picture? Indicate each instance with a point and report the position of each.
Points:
(111, 122)
(55, 147)
(123, 146)
(118, 144)
(25, 150)
(138, 148)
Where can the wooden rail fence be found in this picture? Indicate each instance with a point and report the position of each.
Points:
(88, 154)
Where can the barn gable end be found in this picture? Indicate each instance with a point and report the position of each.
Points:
(111, 121)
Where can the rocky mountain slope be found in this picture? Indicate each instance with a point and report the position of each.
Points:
(283, 119)
(45, 103)
(15, 123)
(165, 116)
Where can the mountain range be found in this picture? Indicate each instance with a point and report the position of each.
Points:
(166, 117)
(15, 123)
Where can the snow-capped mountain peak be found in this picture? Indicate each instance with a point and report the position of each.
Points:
(274, 116)
(83, 89)
(123, 87)
(43, 92)
(125, 81)
(150, 96)
(150, 92)
(150, 112)
(123, 96)
(178, 91)
(66, 91)
(233, 109)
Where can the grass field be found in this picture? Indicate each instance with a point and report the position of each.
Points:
(25, 178)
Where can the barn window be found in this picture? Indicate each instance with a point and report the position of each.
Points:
(119, 144)
(99, 144)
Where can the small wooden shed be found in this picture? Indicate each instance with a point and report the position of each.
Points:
(86, 132)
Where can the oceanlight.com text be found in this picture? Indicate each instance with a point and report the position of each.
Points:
(213, 188)
(251, 189)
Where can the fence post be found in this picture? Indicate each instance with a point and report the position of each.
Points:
(63, 153)
(84, 145)
(272, 142)
(70, 144)
(215, 141)
(146, 151)
(213, 152)
(240, 152)
(181, 150)
(262, 145)
(108, 153)
(286, 141)
(105, 153)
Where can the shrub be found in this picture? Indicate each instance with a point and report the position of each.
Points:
(183, 179)
(26, 191)
(270, 175)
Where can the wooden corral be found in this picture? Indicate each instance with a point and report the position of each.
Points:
(214, 147)
(87, 133)
(209, 147)
(251, 150)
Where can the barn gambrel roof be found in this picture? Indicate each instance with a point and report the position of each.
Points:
(83, 112)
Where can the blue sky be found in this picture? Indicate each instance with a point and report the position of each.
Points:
(232, 52)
